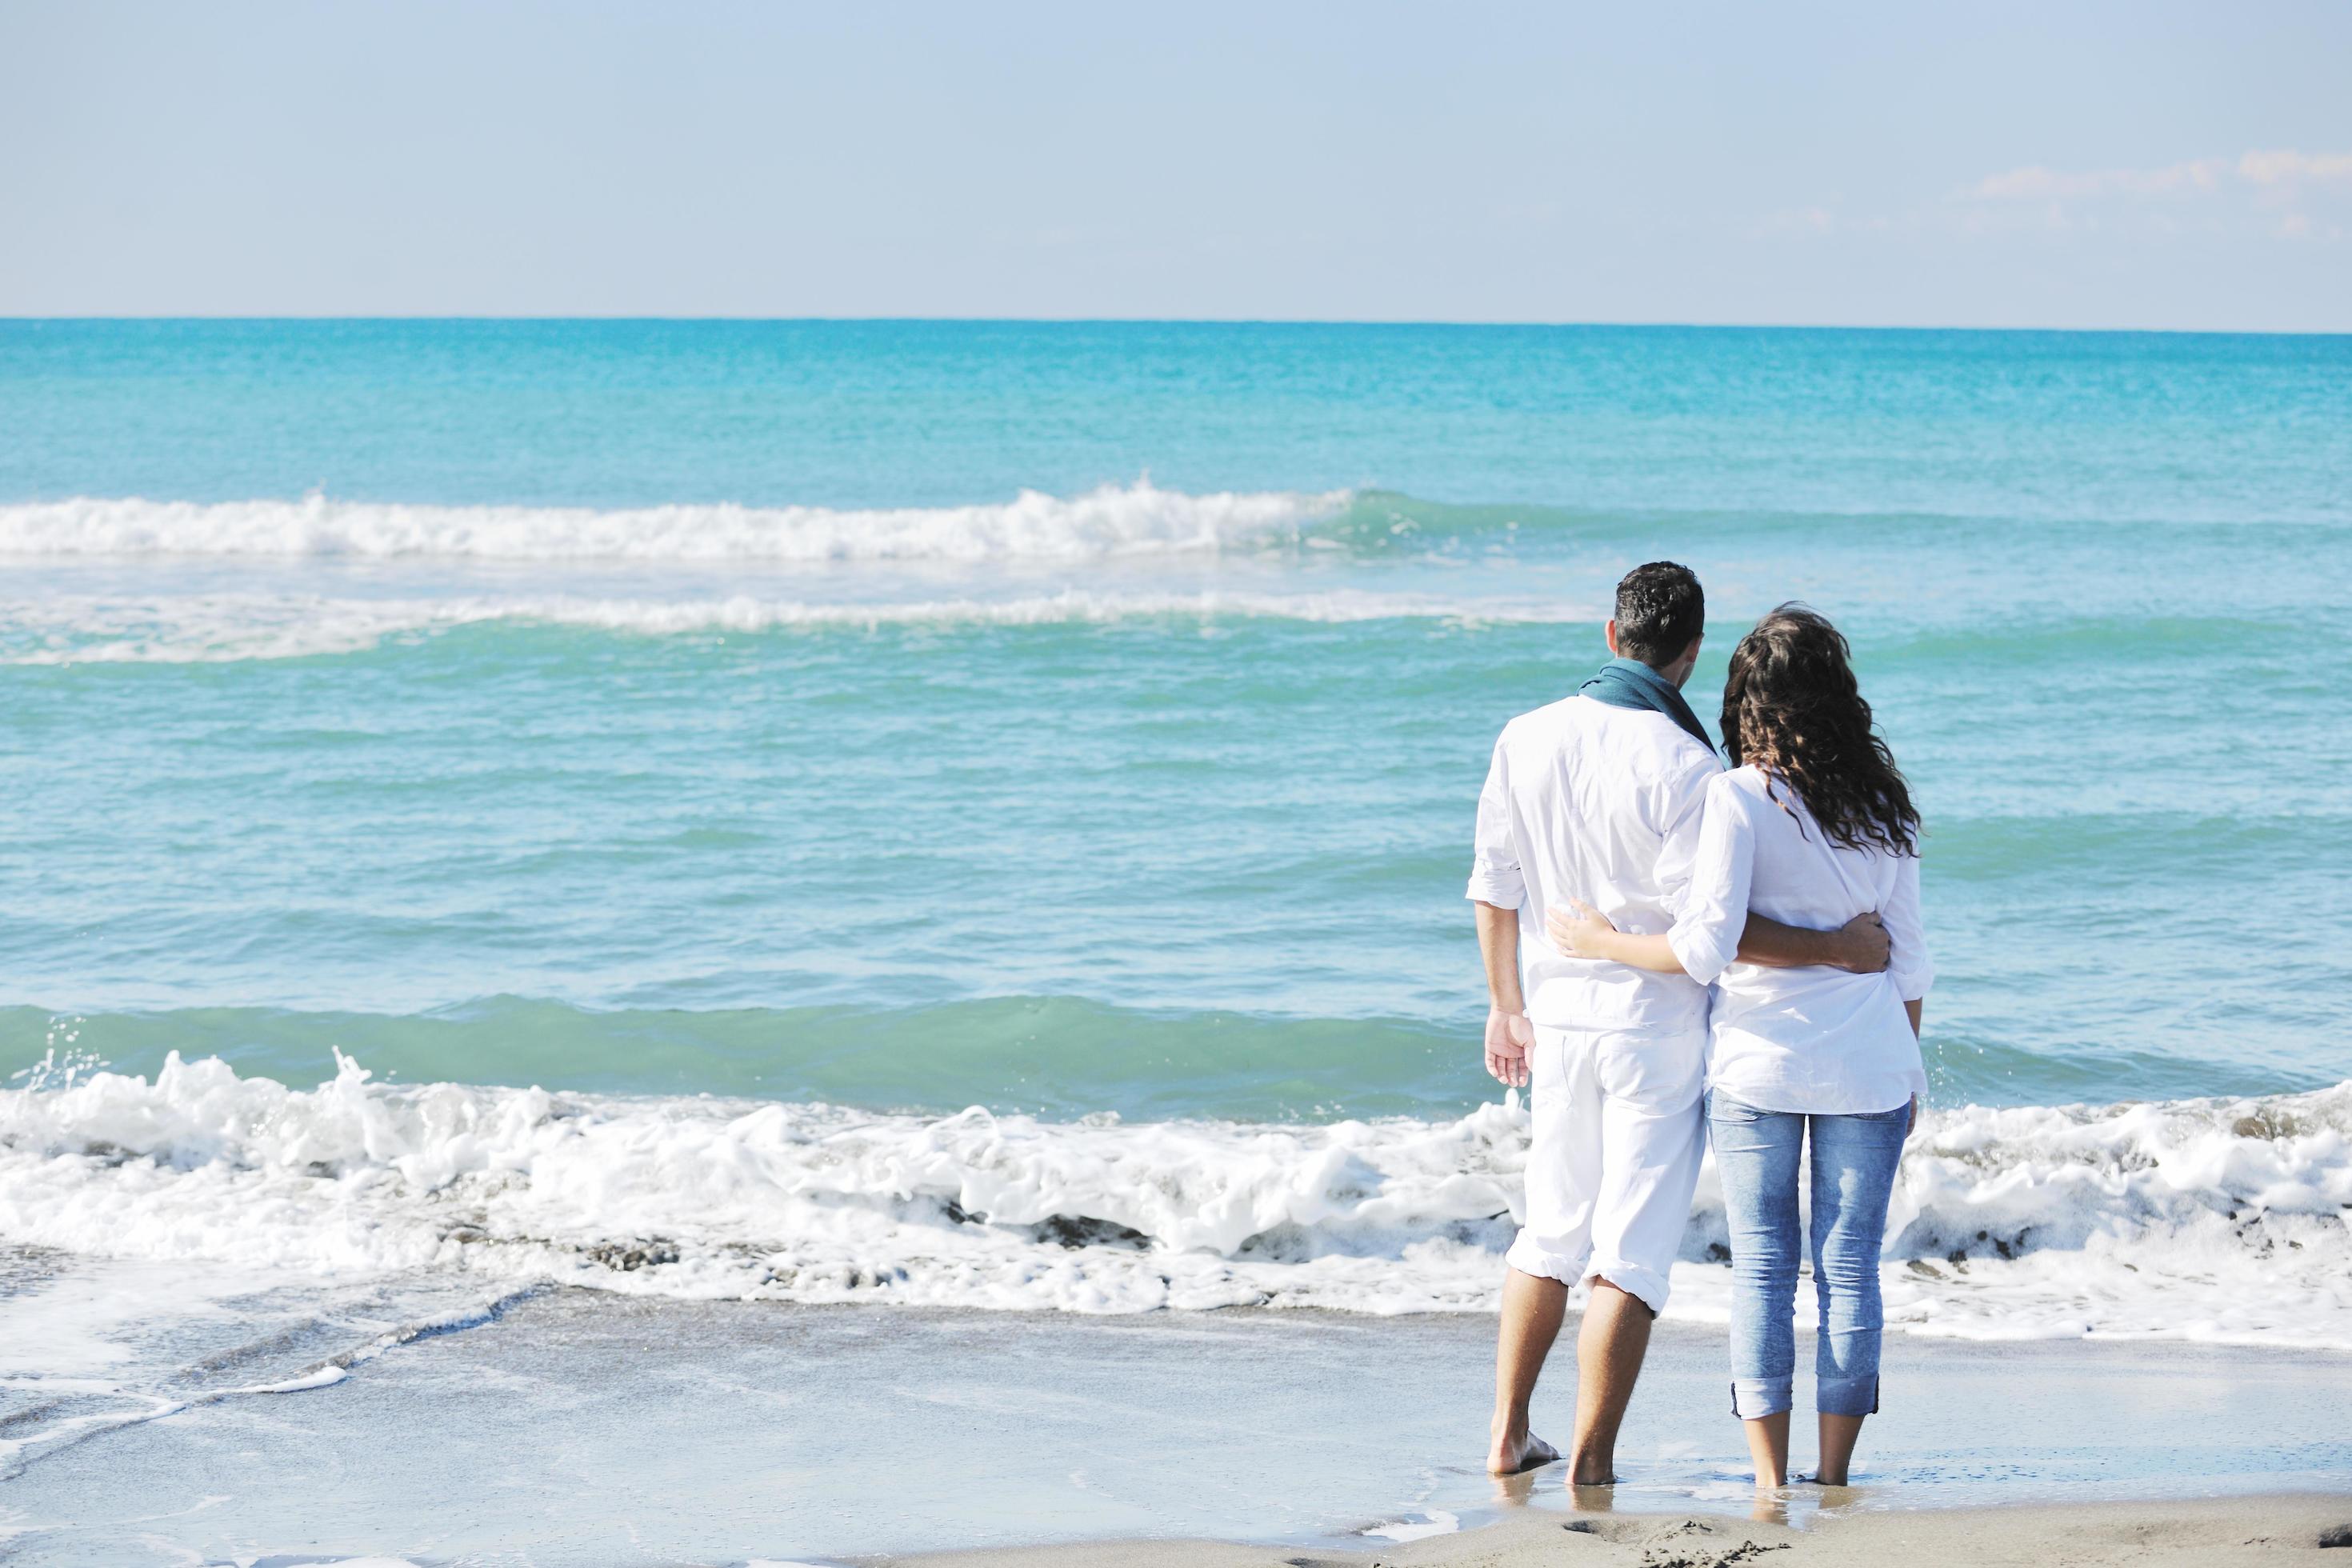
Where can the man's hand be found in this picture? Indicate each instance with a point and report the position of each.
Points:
(1509, 1038)
(1578, 929)
(1864, 946)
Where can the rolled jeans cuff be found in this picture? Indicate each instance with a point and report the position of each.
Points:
(1754, 1398)
(1846, 1396)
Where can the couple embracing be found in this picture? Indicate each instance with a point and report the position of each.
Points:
(1678, 954)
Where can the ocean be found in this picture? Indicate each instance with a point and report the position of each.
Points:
(975, 815)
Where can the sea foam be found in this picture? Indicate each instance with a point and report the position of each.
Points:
(2219, 1220)
(229, 628)
(1137, 519)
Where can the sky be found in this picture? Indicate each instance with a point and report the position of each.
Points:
(2146, 165)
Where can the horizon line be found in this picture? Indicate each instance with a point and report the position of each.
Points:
(1463, 324)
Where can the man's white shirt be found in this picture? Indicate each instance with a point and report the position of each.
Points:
(1588, 801)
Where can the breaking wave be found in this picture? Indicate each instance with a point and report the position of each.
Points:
(2211, 1219)
(1137, 519)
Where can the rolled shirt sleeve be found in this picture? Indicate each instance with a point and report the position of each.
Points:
(1907, 963)
(1494, 877)
(1713, 911)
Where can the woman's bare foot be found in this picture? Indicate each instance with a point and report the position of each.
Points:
(1509, 1456)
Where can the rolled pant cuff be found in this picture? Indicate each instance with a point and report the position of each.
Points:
(1753, 1398)
(1528, 1257)
(1846, 1396)
(1647, 1285)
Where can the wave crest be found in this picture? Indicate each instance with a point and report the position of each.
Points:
(1137, 519)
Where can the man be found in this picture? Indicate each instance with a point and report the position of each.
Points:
(1597, 797)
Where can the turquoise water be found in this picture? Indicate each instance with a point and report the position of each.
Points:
(1074, 720)
(1142, 854)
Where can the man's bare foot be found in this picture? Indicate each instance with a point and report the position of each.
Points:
(1508, 1457)
(1591, 1468)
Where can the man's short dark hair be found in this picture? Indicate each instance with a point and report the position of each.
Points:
(1660, 608)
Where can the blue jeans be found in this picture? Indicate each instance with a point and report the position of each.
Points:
(1755, 1154)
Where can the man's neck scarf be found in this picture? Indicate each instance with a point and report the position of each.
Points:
(1630, 683)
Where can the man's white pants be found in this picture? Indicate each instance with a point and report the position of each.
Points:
(1619, 1134)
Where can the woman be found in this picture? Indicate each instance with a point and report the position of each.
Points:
(1813, 825)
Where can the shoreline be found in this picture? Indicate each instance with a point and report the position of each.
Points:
(578, 1425)
(2263, 1529)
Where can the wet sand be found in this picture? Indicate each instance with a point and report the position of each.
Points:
(589, 1428)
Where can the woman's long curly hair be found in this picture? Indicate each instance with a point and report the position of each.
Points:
(1792, 710)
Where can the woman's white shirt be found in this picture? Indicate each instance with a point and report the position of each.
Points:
(1816, 1040)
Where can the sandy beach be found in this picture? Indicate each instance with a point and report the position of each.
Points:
(2289, 1528)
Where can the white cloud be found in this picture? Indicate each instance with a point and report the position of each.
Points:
(2197, 177)
(2285, 167)
(2035, 183)
(2280, 193)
